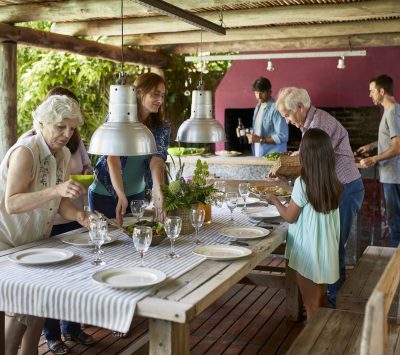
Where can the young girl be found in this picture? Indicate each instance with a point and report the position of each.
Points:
(312, 245)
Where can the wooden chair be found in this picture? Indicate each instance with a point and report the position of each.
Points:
(333, 331)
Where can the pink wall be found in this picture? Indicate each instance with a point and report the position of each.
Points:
(327, 85)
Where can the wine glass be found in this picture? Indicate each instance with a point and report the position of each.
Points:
(219, 195)
(172, 226)
(197, 220)
(142, 237)
(244, 190)
(231, 202)
(220, 185)
(98, 229)
(137, 208)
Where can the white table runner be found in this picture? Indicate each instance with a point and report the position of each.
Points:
(66, 290)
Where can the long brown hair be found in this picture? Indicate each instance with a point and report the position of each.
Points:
(317, 158)
(145, 84)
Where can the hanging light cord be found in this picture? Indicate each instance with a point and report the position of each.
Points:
(201, 84)
(122, 75)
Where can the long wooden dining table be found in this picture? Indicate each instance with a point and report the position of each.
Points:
(170, 306)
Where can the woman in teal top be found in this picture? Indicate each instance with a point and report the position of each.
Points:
(312, 245)
(120, 180)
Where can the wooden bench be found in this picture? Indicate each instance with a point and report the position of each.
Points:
(358, 287)
(333, 331)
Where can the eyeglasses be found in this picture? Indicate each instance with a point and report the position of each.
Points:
(157, 95)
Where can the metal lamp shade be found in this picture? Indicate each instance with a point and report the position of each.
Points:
(123, 134)
(201, 127)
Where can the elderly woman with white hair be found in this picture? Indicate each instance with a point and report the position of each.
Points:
(294, 104)
(32, 190)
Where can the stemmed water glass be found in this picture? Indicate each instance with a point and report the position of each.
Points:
(137, 208)
(172, 226)
(197, 220)
(244, 190)
(142, 237)
(231, 202)
(98, 229)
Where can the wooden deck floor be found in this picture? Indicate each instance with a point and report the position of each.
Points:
(246, 320)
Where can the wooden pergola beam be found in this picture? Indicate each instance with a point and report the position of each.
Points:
(352, 41)
(264, 33)
(238, 18)
(35, 38)
(78, 10)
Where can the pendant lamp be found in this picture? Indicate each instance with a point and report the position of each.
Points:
(201, 127)
(122, 134)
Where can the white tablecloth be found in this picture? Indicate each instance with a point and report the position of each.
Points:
(66, 290)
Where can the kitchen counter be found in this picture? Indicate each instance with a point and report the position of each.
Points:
(225, 167)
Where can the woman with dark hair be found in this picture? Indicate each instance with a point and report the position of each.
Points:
(120, 180)
(312, 244)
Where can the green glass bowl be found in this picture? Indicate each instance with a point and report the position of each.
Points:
(85, 180)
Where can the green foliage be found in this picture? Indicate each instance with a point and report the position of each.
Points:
(183, 194)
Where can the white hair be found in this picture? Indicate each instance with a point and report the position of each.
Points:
(290, 97)
(56, 108)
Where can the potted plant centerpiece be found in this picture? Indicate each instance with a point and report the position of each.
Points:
(181, 195)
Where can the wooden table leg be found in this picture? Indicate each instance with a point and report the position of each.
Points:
(293, 298)
(169, 338)
(2, 334)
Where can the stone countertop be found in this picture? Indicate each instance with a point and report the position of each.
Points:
(222, 160)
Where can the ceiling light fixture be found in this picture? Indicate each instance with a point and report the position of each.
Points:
(186, 16)
(122, 134)
(201, 127)
(269, 56)
(270, 66)
(341, 64)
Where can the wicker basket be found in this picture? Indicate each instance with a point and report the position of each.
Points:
(184, 213)
(287, 165)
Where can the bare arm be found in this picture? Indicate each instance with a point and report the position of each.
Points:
(392, 151)
(367, 148)
(18, 199)
(157, 174)
(114, 166)
(70, 212)
(289, 213)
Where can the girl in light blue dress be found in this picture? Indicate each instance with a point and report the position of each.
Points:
(312, 245)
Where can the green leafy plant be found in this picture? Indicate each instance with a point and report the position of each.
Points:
(183, 194)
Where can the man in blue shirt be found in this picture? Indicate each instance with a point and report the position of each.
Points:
(270, 130)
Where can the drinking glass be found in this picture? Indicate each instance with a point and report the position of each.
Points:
(172, 226)
(220, 186)
(98, 229)
(244, 190)
(231, 202)
(197, 220)
(137, 208)
(142, 237)
(219, 195)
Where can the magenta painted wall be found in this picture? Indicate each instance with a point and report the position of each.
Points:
(327, 85)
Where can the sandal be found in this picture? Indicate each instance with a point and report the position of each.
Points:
(58, 347)
(81, 338)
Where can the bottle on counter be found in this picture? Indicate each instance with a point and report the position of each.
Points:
(241, 132)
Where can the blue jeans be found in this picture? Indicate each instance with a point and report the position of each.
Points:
(107, 204)
(349, 205)
(392, 202)
(52, 331)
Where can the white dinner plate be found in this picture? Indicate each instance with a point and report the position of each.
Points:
(83, 240)
(249, 201)
(262, 212)
(247, 232)
(40, 256)
(129, 277)
(222, 252)
(228, 153)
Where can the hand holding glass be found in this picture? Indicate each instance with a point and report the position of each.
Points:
(231, 202)
(137, 208)
(172, 226)
(98, 229)
(244, 190)
(197, 220)
(142, 237)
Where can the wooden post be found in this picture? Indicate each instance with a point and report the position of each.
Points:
(8, 96)
(293, 297)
